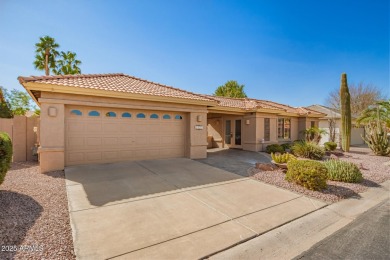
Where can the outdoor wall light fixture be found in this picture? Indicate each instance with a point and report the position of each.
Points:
(247, 122)
(199, 118)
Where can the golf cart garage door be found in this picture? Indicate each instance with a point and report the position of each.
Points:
(102, 135)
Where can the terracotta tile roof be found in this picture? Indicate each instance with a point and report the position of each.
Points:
(253, 104)
(115, 82)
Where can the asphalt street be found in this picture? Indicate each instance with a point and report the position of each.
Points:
(367, 237)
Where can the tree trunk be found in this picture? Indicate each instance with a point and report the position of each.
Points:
(47, 52)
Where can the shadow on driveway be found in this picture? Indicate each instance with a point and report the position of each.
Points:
(106, 183)
(234, 160)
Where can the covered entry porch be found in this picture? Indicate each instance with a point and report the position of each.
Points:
(225, 130)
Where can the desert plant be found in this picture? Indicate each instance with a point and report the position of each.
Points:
(309, 174)
(274, 148)
(376, 138)
(343, 171)
(330, 146)
(314, 134)
(345, 104)
(5, 154)
(308, 150)
(282, 158)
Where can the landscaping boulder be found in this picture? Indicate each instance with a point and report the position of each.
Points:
(266, 167)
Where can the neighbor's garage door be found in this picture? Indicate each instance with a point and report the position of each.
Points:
(101, 135)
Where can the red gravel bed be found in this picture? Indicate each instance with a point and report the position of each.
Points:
(375, 170)
(34, 217)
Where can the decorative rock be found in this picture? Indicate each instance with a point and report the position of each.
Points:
(333, 157)
(266, 167)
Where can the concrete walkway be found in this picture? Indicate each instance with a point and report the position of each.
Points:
(290, 240)
(171, 209)
(234, 160)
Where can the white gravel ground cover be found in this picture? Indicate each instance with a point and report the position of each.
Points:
(34, 217)
(375, 170)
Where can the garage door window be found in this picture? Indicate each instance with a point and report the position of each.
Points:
(76, 112)
(94, 113)
(178, 117)
(110, 114)
(154, 116)
(166, 117)
(128, 115)
(141, 115)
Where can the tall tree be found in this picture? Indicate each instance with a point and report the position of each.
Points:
(46, 52)
(67, 64)
(345, 104)
(5, 111)
(231, 89)
(19, 102)
(362, 96)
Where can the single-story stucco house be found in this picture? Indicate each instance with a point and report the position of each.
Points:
(331, 114)
(102, 118)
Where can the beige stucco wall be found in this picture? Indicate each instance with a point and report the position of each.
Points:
(52, 136)
(214, 130)
(197, 135)
(20, 129)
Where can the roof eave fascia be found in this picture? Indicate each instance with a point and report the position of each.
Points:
(31, 94)
(227, 109)
(114, 94)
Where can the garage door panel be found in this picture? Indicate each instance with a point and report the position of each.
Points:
(93, 156)
(75, 142)
(101, 139)
(93, 127)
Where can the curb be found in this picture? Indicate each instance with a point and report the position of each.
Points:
(293, 238)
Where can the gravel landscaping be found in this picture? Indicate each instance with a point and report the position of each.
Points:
(375, 170)
(34, 216)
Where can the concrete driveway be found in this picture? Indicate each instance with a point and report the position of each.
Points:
(171, 209)
(234, 160)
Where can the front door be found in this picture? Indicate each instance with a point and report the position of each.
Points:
(233, 133)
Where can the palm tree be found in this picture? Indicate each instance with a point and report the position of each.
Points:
(67, 64)
(314, 134)
(380, 111)
(46, 52)
(231, 89)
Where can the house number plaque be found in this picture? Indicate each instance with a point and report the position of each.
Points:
(198, 127)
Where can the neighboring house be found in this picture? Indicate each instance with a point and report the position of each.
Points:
(333, 115)
(103, 118)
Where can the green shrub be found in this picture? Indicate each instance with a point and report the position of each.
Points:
(330, 146)
(282, 158)
(5, 154)
(309, 174)
(343, 171)
(274, 148)
(286, 146)
(308, 150)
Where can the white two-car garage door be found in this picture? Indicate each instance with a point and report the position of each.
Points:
(101, 135)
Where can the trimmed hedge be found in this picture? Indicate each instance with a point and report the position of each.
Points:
(330, 146)
(274, 148)
(343, 171)
(5, 154)
(309, 174)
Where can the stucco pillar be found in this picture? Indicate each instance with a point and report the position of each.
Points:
(52, 137)
(197, 135)
(249, 134)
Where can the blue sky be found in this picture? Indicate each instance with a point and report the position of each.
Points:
(291, 52)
